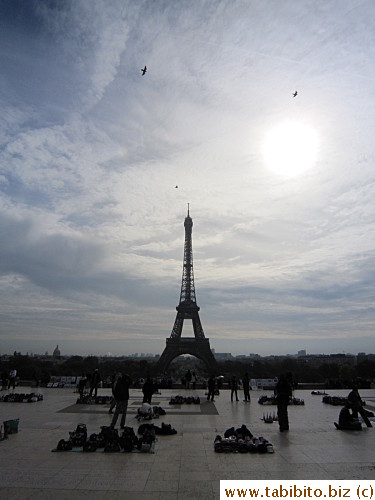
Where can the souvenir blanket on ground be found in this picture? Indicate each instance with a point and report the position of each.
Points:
(108, 440)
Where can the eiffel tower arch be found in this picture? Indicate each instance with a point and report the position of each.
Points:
(199, 345)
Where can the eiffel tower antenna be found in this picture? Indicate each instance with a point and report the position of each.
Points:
(187, 308)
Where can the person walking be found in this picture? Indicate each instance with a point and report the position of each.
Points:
(246, 387)
(234, 388)
(121, 393)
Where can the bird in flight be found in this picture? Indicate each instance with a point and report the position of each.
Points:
(176, 187)
(144, 70)
(294, 95)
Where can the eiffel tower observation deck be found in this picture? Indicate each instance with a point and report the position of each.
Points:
(199, 345)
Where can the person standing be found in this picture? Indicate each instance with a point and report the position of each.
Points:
(211, 388)
(246, 387)
(195, 380)
(148, 390)
(121, 393)
(234, 388)
(82, 385)
(4, 380)
(187, 379)
(94, 383)
(283, 392)
(114, 380)
(12, 378)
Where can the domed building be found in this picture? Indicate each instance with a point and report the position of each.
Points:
(56, 352)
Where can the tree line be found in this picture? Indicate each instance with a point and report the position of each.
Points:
(333, 374)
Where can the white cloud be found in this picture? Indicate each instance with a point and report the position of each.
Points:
(91, 152)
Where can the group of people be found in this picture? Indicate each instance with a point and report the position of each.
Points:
(90, 380)
(234, 386)
(190, 380)
(8, 379)
(120, 396)
(348, 417)
(283, 391)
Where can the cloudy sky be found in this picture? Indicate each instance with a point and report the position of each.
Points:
(91, 223)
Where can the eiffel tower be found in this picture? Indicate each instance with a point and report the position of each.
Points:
(198, 345)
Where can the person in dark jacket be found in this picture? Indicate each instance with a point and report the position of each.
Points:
(283, 392)
(114, 380)
(148, 390)
(356, 405)
(94, 383)
(211, 388)
(246, 387)
(347, 421)
(121, 393)
(234, 388)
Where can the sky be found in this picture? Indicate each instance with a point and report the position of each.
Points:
(91, 221)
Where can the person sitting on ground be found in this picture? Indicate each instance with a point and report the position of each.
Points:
(347, 421)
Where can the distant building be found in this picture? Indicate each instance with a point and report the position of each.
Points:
(56, 352)
(301, 353)
(223, 355)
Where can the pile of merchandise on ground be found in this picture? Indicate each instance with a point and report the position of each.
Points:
(148, 412)
(109, 440)
(163, 430)
(17, 397)
(334, 400)
(241, 440)
(269, 418)
(271, 400)
(86, 399)
(180, 400)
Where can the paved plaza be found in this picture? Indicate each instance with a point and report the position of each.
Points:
(183, 465)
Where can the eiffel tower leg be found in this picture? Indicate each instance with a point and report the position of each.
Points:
(200, 348)
(165, 360)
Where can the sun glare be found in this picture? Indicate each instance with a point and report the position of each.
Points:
(290, 149)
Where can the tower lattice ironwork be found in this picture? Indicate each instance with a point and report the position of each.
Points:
(187, 308)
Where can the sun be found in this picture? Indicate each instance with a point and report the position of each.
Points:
(290, 148)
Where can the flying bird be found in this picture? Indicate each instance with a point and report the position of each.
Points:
(144, 70)
(295, 94)
(176, 187)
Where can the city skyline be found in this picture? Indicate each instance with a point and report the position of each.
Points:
(258, 114)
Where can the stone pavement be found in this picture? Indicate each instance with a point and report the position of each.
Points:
(184, 465)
